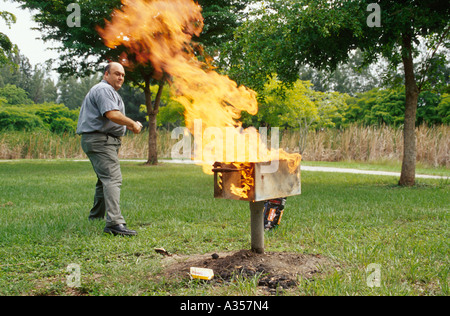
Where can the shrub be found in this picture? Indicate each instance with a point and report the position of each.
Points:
(57, 117)
(14, 95)
(444, 109)
(48, 116)
(16, 119)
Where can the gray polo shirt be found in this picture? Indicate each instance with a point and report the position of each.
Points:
(101, 98)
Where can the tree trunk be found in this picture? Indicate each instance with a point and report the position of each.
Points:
(152, 112)
(152, 140)
(407, 177)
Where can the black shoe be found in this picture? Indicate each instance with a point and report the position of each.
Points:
(120, 229)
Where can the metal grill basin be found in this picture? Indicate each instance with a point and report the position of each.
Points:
(281, 183)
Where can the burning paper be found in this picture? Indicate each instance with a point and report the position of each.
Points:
(159, 32)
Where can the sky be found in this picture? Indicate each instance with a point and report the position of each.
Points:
(21, 34)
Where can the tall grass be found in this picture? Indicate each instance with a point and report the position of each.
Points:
(371, 144)
(48, 145)
(39, 145)
(354, 143)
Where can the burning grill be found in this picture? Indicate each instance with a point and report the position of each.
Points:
(248, 182)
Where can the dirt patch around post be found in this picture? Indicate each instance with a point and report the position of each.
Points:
(274, 269)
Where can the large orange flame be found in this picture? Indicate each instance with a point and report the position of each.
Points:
(160, 32)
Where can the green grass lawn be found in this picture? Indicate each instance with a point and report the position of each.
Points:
(354, 220)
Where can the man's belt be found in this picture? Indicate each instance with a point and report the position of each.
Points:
(107, 134)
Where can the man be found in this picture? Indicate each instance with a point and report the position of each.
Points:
(101, 124)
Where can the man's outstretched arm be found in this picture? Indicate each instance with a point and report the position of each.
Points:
(118, 118)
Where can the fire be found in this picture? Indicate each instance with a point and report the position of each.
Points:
(156, 31)
(247, 179)
(159, 32)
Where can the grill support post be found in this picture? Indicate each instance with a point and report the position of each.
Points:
(257, 226)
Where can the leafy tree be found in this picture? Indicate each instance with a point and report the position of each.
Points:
(250, 58)
(6, 47)
(377, 106)
(444, 108)
(351, 77)
(286, 107)
(221, 17)
(171, 115)
(72, 90)
(288, 34)
(35, 81)
(386, 106)
(171, 112)
(134, 98)
(427, 108)
(19, 73)
(41, 88)
(14, 95)
(50, 92)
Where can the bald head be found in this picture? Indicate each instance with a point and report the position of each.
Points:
(114, 75)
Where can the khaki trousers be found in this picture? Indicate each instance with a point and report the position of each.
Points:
(102, 151)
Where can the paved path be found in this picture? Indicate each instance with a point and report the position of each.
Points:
(373, 172)
(340, 170)
(304, 168)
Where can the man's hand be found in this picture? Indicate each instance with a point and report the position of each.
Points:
(136, 127)
(118, 118)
